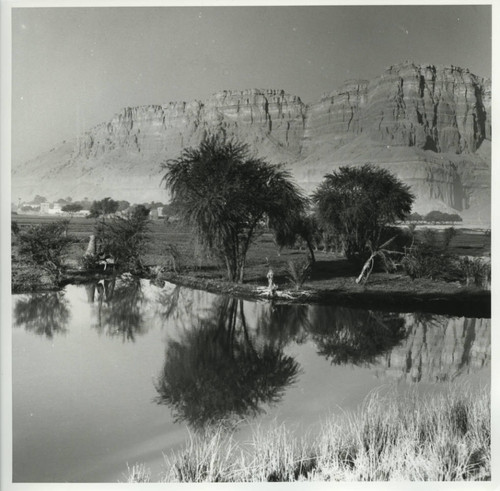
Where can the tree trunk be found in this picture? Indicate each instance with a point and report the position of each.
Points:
(229, 269)
(311, 250)
(367, 269)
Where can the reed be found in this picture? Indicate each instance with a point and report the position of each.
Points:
(407, 437)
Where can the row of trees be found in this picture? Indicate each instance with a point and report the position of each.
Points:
(96, 208)
(434, 216)
(227, 196)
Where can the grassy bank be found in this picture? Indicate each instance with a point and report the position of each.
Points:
(332, 280)
(438, 438)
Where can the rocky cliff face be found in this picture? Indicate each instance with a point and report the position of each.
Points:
(443, 110)
(430, 125)
(153, 131)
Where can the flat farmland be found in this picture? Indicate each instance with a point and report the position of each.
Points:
(470, 242)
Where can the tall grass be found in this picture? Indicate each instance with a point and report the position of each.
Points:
(439, 438)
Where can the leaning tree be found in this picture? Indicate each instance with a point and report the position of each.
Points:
(225, 193)
(358, 203)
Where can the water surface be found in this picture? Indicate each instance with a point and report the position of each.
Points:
(121, 371)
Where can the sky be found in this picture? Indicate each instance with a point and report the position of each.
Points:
(73, 68)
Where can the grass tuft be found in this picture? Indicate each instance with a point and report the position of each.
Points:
(391, 437)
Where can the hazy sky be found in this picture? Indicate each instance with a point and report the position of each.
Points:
(73, 68)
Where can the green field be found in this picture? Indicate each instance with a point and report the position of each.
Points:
(468, 242)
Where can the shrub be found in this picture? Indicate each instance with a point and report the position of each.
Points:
(475, 271)
(172, 257)
(299, 271)
(124, 238)
(105, 206)
(427, 259)
(44, 245)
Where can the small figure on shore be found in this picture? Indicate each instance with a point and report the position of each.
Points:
(271, 287)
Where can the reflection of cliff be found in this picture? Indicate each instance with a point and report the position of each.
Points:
(439, 348)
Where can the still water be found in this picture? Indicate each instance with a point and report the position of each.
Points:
(112, 374)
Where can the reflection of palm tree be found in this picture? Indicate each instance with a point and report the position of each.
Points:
(119, 307)
(167, 303)
(346, 335)
(215, 374)
(281, 323)
(43, 313)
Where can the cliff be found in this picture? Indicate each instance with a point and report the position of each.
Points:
(429, 125)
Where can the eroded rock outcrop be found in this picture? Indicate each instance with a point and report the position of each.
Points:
(154, 130)
(429, 125)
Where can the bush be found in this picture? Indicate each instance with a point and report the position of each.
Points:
(427, 259)
(44, 245)
(172, 257)
(105, 206)
(123, 238)
(299, 271)
(476, 271)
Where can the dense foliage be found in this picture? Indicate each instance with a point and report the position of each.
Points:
(357, 203)
(44, 245)
(225, 194)
(124, 238)
(72, 208)
(105, 206)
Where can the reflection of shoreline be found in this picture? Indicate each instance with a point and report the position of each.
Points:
(412, 347)
(439, 349)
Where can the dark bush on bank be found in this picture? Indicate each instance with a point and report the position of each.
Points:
(429, 258)
(121, 240)
(44, 245)
(475, 271)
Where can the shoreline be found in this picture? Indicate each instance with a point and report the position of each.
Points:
(384, 292)
(442, 299)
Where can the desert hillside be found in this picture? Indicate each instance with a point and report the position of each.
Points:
(430, 125)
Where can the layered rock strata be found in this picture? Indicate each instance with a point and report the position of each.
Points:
(429, 125)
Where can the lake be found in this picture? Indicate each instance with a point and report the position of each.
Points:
(120, 372)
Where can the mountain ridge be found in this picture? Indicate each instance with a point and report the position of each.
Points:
(430, 125)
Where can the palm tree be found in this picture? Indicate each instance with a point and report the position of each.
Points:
(358, 203)
(225, 195)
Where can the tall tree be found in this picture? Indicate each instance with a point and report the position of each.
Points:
(225, 194)
(357, 203)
